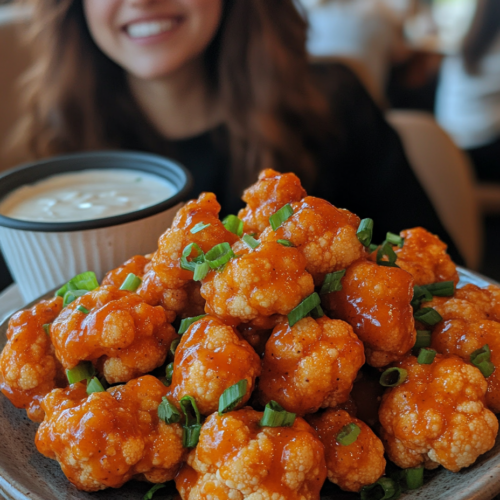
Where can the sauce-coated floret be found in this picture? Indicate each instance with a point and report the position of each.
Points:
(237, 459)
(437, 416)
(29, 368)
(108, 438)
(376, 302)
(271, 192)
(121, 334)
(137, 265)
(325, 235)
(210, 358)
(353, 465)
(311, 365)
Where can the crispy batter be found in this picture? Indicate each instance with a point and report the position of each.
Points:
(271, 192)
(122, 335)
(325, 236)
(108, 438)
(350, 466)
(437, 416)
(311, 365)
(210, 358)
(236, 459)
(268, 280)
(137, 265)
(375, 301)
(29, 368)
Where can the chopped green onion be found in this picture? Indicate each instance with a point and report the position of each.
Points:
(384, 489)
(191, 265)
(481, 358)
(46, 327)
(348, 434)
(428, 316)
(83, 281)
(219, 255)
(332, 282)
(94, 386)
(304, 308)
(201, 271)
(392, 377)
(423, 339)
(199, 227)
(82, 309)
(72, 295)
(152, 491)
(372, 247)
(285, 243)
(414, 477)
(441, 289)
(233, 224)
(169, 372)
(395, 239)
(83, 371)
(168, 412)
(232, 396)
(250, 241)
(173, 346)
(276, 416)
(282, 215)
(386, 250)
(365, 232)
(317, 312)
(192, 426)
(131, 283)
(420, 294)
(187, 322)
(426, 356)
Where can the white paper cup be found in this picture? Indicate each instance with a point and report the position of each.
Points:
(42, 256)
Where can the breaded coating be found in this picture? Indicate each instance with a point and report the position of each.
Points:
(271, 192)
(29, 368)
(268, 280)
(122, 335)
(350, 466)
(437, 416)
(258, 331)
(137, 265)
(165, 283)
(325, 235)
(210, 358)
(108, 438)
(376, 302)
(311, 365)
(237, 459)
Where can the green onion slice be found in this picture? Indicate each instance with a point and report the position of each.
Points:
(332, 282)
(168, 412)
(82, 371)
(285, 243)
(481, 358)
(219, 255)
(232, 396)
(420, 294)
(191, 265)
(384, 489)
(250, 241)
(441, 289)
(173, 346)
(83, 281)
(282, 215)
(372, 247)
(233, 224)
(192, 426)
(276, 416)
(317, 312)
(428, 316)
(131, 283)
(199, 227)
(94, 385)
(72, 295)
(304, 308)
(82, 309)
(395, 239)
(365, 232)
(200, 271)
(187, 322)
(414, 478)
(348, 434)
(426, 356)
(423, 339)
(392, 377)
(46, 327)
(152, 491)
(386, 250)
(169, 372)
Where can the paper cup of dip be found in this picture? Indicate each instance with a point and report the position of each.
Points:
(43, 243)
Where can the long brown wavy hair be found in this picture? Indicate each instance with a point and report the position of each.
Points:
(77, 99)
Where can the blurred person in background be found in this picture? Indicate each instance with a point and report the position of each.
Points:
(468, 99)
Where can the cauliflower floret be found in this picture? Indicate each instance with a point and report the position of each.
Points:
(351, 466)
(268, 280)
(376, 302)
(121, 334)
(311, 365)
(108, 438)
(29, 368)
(271, 192)
(258, 331)
(437, 415)
(325, 235)
(210, 358)
(237, 459)
(165, 282)
(138, 265)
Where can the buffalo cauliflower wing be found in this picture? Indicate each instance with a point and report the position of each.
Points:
(137, 265)
(110, 437)
(437, 416)
(29, 368)
(210, 358)
(310, 365)
(237, 459)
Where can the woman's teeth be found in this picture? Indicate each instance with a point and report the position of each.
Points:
(150, 28)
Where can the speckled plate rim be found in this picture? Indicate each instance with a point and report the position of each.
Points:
(42, 479)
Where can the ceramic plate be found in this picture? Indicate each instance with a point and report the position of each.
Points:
(25, 474)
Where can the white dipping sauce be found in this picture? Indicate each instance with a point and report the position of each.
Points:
(86, 195)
